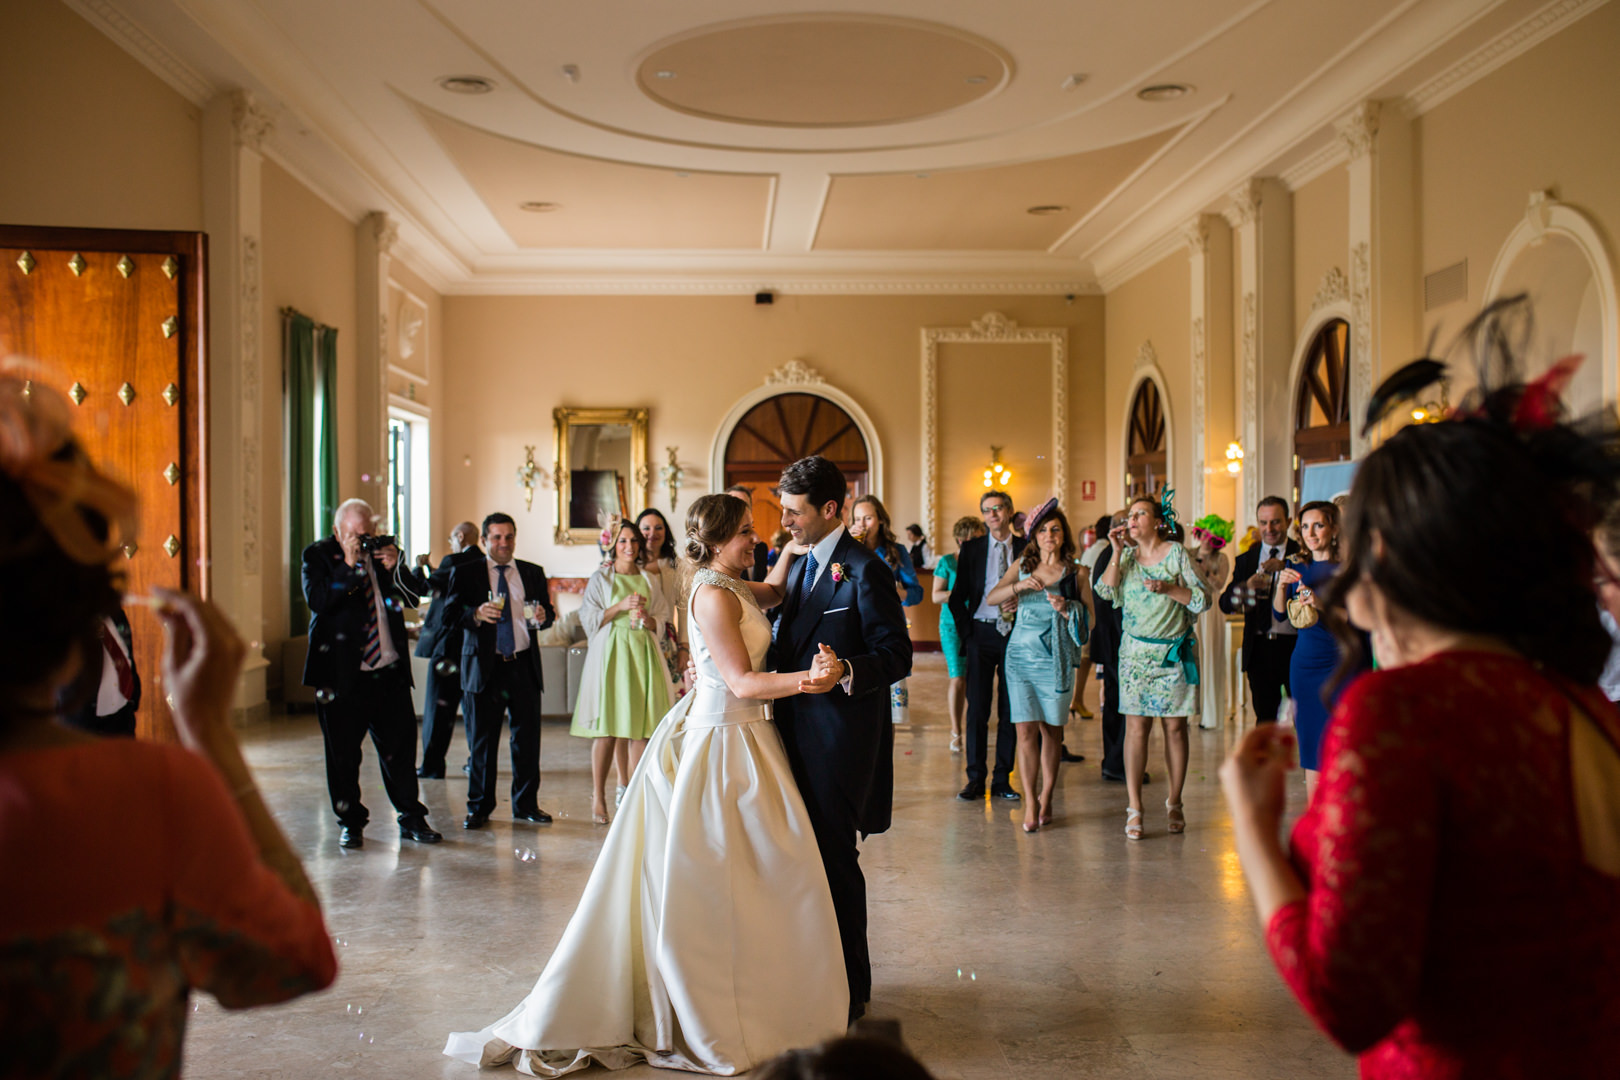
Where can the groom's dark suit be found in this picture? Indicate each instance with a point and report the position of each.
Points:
(841, 744)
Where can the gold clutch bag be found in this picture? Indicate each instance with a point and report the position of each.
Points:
(1301, 615)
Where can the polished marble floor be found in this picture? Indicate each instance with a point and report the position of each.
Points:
(1068, 953)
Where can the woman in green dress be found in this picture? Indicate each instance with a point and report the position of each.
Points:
(624, 687)
(949, 642)
(1153, 581)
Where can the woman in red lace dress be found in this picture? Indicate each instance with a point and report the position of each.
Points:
(1449, 904)
(132, 872)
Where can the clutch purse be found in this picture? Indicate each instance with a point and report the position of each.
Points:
(1301, 615)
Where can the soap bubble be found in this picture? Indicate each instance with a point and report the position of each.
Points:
(325, 696)
(446, 668)
(525, 854)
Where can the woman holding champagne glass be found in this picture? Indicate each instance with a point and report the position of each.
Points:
(624, 689)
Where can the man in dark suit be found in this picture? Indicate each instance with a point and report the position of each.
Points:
(1268, 642)
(1105, 641)
(356, 593)
(762, 550)
(841, 744)
(983, 630)
(112, 688)
(440, 645)
(500, 668)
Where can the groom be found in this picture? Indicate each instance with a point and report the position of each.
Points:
(841, 744)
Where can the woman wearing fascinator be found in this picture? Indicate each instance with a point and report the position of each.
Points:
(1153, 580)
(1449, 903)
(1045, 642)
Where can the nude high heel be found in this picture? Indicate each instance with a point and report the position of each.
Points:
(1133, 824)
(1177, 819)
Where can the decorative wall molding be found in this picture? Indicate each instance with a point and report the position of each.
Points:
(994, 329)
(1333, 288)
(1361, 359)
(1330, 156)
(747, 284)
(1146, 356)
(767, 390)
(1151, 255)
(1251, 400)
(385, 229)
(1358, 128)
(250, 316)
(1245, 202)
(1498, 51)
(105, 16)
(250, 504)
(1200, 380)
(794, 373)
(1195, 234)
(250, 120)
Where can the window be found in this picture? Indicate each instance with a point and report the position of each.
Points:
(1145, 458)
(1322, 402)
(407, 481)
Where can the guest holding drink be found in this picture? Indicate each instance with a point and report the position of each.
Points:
(950, 642)
(1316, 653)
(1153, 581)
(663, 574)
(624, 688)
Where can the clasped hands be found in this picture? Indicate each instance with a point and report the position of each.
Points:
(826, 670)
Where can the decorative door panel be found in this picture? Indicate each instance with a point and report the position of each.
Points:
(779, 431)
(115, 321)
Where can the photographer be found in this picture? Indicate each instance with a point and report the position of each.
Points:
(357, 584)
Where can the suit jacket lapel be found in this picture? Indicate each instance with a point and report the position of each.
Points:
(812, 607)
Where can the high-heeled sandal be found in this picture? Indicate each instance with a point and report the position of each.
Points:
(1044, 818)
(1133, 824)
(1177, 819)
(1032, 828)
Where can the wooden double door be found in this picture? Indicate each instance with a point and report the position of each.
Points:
(779, 431)
(115, 321)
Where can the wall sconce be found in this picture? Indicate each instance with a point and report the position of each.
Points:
(528, 475)
(997, 475)
(1234, 457)
(672, 474)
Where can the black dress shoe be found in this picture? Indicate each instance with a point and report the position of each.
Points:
(857, 1009)
(1114, 778)
(537, 815)
(1071, 757)
(351, 837)
(1007, 793)
(474, 821)
(971, 793)
(430, 774)
(417, 829)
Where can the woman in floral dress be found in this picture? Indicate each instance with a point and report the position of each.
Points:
(1153, 581)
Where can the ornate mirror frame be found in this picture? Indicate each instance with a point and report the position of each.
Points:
(565, 419)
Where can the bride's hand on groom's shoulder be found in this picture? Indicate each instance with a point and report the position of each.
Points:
(794, 548)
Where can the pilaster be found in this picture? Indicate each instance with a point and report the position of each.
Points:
(1263, 220)
(375, 237)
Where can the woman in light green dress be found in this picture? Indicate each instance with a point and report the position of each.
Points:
(624, 689)
(1156, 585)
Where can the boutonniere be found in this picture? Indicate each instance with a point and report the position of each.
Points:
(838, 572)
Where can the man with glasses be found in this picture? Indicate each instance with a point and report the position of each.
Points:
(983, 630)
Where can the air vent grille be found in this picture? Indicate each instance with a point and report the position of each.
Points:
(1446, 286)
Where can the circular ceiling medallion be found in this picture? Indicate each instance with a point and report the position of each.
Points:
(826, 71)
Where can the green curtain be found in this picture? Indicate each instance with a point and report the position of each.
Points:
(309, 366)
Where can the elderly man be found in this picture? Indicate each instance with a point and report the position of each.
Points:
(356, 585)
(440, 646)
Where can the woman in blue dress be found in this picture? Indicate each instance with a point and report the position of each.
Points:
(1047, 635)
(1316, 653)
(869, 522)
(949, 643)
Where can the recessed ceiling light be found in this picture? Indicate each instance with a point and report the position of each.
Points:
(1164, 92)
(539, 207)
(664, 74)
(466, 84)
(1073, 81)
(1045, 211)
(975, 80)
(682, 175)
(922, 176)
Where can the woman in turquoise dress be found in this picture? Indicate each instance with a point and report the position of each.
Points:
(949, 642)
(1047, 636)
(624, 688)
(1155, 584)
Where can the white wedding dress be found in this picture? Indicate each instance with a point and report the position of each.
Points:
(706, 938)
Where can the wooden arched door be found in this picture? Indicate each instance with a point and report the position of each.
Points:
(779, 431)
(1145, 457)
(1322, 402)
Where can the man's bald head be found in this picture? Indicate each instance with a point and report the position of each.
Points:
(464, 536)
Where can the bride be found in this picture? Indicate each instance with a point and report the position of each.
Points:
(706, 938)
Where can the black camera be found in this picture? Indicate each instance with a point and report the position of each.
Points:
(372, 544)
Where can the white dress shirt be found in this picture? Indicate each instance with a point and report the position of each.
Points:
(1279, 623)
(108, 697)
(514, 600)
(989, 612)
(385, 639)
(823, 552)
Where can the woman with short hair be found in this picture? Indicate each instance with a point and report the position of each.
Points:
(949, 643)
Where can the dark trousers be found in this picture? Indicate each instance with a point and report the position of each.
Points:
(842, 859)
(378, 702)
(443, 698)
(1267, 668)
(985, 651)
(121, 722)
(1113, 724)
(510, 687)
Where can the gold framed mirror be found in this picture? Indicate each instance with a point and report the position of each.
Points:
(601, 469)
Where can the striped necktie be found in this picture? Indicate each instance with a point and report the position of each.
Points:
(373, 651)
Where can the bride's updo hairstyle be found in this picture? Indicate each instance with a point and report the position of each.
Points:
(710, 522)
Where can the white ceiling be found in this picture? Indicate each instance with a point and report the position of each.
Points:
(769, 127)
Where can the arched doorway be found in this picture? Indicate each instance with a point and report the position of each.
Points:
(782, 429)
(1322, 402)
(1145, 455)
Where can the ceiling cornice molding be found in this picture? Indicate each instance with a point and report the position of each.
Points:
(1332, 154)
(1165, 246)
(1501, 49)
(674, 285)
(129, 36)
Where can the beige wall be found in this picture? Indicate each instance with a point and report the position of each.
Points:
(1156, 306)
(307, 263)
(89, 137)
(690, 359)
(1321, 237)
